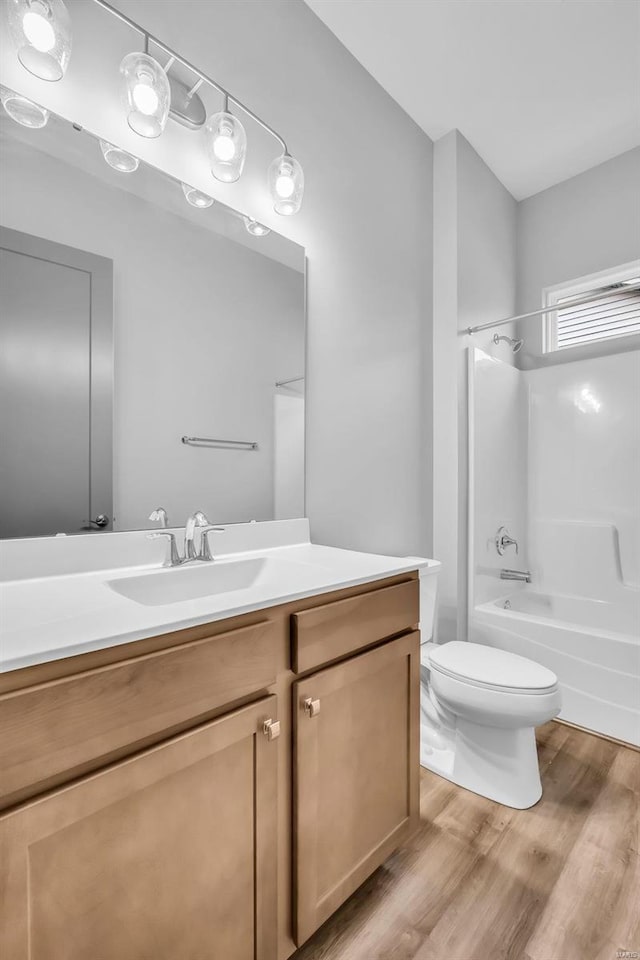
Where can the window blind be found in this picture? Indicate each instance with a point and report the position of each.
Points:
(616, 315)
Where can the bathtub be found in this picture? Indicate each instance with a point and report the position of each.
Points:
(593, 647)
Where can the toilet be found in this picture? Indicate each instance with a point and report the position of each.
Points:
(479, 709)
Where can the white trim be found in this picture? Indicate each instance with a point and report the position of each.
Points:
(585, 284)
(472, 357)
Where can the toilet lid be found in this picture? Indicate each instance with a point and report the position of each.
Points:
(490, 666)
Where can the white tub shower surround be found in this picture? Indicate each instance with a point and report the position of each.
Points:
(580, 616)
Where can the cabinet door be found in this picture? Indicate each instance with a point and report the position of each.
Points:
(356, 789)
(169, 854)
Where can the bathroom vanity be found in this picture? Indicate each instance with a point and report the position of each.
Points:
(214, 791)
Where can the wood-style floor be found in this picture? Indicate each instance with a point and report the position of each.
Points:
(479, 881)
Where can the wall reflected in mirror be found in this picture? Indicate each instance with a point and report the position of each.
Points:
(130, 319)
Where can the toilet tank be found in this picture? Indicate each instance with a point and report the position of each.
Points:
(428, 599)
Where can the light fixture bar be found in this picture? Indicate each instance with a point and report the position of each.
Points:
(196, 86)
(149, 37)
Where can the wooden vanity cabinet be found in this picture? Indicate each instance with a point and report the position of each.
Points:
(356, 774)
(170, 854)
(147, 814)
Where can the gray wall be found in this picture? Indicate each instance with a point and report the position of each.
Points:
(580, 226)
(366, 225)
(474, 281)
(486, 291)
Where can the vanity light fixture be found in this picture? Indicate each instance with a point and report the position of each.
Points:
(255, 228)
(226, 140)
(226, 145)
(286, 183)
(145, 94)
(196, 197)
(118, 158)
(41, 33)
(23, 111)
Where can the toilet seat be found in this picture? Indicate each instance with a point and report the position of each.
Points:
(491, 668)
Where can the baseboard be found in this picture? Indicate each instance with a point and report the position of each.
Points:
(595, 733)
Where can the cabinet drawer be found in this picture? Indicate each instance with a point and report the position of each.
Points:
(61, 729)
(333, 630)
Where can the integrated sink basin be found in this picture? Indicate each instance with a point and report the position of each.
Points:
(192, 583)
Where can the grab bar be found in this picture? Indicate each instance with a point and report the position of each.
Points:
(220, 444)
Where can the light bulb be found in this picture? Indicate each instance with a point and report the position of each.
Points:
(196, 197)
(226, 146)
(38, 32)
(286, 183)
(41, 33)
(145, 98)
(118, 158)
(285, 186)
(146, 95)
(23, 111)
(255, 228)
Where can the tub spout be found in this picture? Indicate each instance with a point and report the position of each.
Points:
(523, 576)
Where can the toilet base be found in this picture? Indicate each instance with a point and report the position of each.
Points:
(498, 763)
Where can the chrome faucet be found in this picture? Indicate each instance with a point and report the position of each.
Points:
(524, 576)
(197, 519)
(503, 540)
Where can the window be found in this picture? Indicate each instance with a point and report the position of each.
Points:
(616, 312)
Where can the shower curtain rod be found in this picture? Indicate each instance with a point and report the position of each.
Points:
(550, 309)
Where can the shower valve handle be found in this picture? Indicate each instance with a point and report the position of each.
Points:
(504, 540)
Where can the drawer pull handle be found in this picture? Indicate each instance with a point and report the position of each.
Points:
(311, 707)
(271, 729)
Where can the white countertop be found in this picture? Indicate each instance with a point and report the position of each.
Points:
(51, 617)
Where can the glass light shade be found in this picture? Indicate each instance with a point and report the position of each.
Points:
(255, 228)
(146, 95)
(23, 111)
(196, 197)
(226, 146)
(41, 33)
(286, 183)
(118, 158)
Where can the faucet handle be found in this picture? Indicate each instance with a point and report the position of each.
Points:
(159, 515)
(205, 550)
(503, 540)
(174, 555)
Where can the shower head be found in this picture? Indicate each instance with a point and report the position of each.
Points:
(514, 344)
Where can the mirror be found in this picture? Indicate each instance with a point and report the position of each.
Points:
(152, 353)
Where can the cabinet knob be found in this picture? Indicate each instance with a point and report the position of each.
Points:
(271, 729)
(311, 707)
